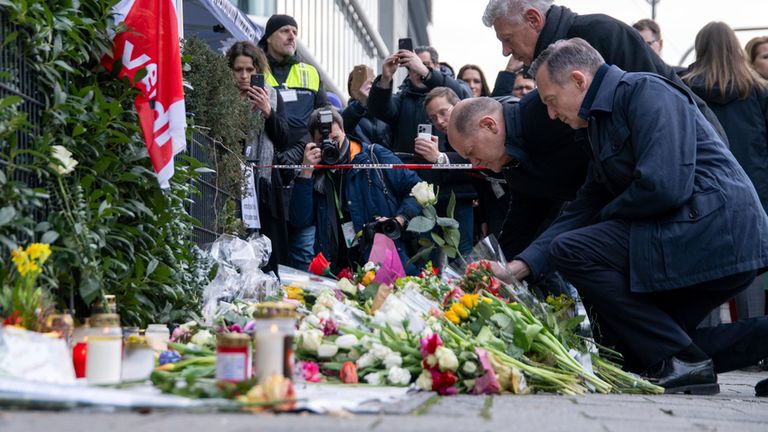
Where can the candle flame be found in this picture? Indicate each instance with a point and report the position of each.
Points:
(273, 329)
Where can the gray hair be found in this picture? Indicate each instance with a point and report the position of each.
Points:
(512, 10)
(432, 53)
(566, 55)
(470, 110)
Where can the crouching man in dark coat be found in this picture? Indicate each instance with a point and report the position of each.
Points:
(666, 227)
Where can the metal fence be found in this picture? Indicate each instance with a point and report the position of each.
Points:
(17, 78)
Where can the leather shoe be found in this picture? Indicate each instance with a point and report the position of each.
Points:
(761, 388)
(677, 376)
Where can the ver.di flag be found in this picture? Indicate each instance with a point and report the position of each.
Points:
(151, 42)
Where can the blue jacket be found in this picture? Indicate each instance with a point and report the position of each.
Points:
(366, 197)
(657, 163)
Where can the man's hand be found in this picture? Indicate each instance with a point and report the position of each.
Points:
(311, 157)
(514, 269)
(388, 69)
(427, 149)
(513, 65)
(411, 61)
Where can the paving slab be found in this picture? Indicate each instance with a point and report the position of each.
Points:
(734, 409)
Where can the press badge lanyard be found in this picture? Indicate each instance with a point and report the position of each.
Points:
(347, 228)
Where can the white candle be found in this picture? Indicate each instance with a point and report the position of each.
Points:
(269, 353)
(103, 362)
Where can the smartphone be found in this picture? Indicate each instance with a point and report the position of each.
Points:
(257, 80)
(405, 44)
(359, 77)
(424, 131)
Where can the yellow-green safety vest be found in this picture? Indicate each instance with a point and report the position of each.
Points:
(302, 75)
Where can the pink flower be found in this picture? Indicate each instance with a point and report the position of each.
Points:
(487, 383)
(430, 344)
(311, 372)
(250, 326)
(453, 294)
(329, 327)
(179, 333)
(235, 328)
(444, 383)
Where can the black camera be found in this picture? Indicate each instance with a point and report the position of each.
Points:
(389, 227)
(329, 149)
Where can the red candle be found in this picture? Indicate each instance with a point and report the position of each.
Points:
(79, 354)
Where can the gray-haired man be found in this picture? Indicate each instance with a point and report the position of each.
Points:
(666, 227)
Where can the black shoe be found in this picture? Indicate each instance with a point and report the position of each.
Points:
(677, 376)
(761, 388)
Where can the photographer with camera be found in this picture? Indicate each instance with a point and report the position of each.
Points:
(349, 207)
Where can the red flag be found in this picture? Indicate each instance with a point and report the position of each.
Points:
(152, 43)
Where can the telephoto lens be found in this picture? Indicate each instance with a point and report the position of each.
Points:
(391, 228)
(329, 152)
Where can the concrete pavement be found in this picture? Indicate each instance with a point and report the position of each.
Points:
(734, 409)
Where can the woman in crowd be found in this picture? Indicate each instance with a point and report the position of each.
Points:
(246, 59)
(475, 78)
(358, 121)
(757, 50)
(722, 76)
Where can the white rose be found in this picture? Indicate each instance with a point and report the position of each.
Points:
(393, 359)
(424, 193)
(424, 381)
(66, 164)
(327, 299)
(398, 376)
(446, 359)
(346, 341)
(345, 285)
(365, 360)
(327, 350)
(202, 338)
(469, 367)
(312, 321)
(431, 360)
(380, 351)
(369, 266)
(311, 340)
(374, 378)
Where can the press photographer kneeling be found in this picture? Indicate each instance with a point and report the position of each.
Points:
(349, 206)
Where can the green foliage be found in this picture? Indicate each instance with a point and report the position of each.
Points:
(117, 231)
(219, 113)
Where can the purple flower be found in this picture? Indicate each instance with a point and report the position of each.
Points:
(329, 327)
(168, 357)
(249, 326)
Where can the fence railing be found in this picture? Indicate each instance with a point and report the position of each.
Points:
(17, 78)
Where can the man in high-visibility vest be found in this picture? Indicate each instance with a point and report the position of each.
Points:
(301, 90)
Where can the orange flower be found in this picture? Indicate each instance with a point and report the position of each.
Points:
(348, 373)
(368, 278)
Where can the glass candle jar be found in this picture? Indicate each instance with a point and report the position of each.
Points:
(157, 336)
(105, 350)
(233, 357)
(139, 359)
(281, 316)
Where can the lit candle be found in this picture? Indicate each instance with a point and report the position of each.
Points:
(269, 353)
(79, 353)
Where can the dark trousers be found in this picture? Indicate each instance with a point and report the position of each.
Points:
(647, 328)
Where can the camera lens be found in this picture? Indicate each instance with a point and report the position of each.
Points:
(391, 229)
(329, 153)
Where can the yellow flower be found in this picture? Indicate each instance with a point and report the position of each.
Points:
(452, 317)
(39, 252)
(368, 278)
(486, 300)
(21, 260)
(469, 300)
(295, 293)
(460, 310)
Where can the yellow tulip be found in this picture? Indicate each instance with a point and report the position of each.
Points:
(452, 317)
(368, 278)
(469, 300)
(460, 310)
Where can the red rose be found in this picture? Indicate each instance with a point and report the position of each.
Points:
(348, 373)
(345, 273)
(443, 382)
(320, 266)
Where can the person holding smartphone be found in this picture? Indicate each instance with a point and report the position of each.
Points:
(358, 119)
(249, 64)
